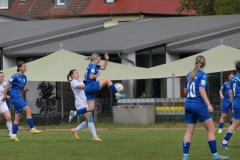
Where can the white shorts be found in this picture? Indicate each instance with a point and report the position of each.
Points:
(3, 107)
(79, 107)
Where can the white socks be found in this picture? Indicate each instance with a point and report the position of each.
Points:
(81, 126)
(9, 126)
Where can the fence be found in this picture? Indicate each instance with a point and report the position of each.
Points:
(166, 109)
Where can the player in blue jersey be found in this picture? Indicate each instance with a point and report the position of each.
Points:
(197, 106)
(226, 104)
(4, 108)
(234, 93)
(92, 85)
(18, 82)
(77, 87)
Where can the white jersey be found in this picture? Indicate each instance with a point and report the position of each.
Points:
(2, 87)
(79, 94)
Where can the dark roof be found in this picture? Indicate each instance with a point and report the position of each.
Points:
(232, 40)
(132, 36)
(167, 7)
(46, 9)
(17, 32)
(15, 16)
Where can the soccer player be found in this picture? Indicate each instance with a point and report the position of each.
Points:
(226, 104)
(4, 108)
(92, 85)
(77, 87)
(234, 93)
(18, 82)
(197, 106)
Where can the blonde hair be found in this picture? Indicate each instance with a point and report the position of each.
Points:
(92, 57)
(200, 63)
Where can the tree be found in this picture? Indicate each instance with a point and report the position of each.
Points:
(202, 7)
(210, 7)
(46, 93)
(227, 6)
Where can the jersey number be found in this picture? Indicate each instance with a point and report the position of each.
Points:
(192, 90)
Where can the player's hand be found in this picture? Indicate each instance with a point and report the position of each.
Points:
(3, 99)
(222, 97)
(99, 72)
(7, 97)
(106, 56)
(26, 89)
(210, 108)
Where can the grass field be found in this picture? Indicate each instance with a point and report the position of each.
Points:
(119, 144)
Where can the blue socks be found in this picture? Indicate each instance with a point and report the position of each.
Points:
(30, 123)
(227, 136)
(15, 129)
(113, 89)
(186, 146)
(81, 111)
(213, 146)
(221, 125)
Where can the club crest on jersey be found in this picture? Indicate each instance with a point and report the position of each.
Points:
(93, 70)
(203, 82)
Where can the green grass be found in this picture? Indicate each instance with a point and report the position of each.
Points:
(118, 144)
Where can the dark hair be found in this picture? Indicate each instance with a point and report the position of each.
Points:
(1, 73)
(19, 65)
(70, 73)
(237, 65)
(199, 62)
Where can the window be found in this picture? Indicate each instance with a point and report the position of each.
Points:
(3, 4)
(61, 2)
(110, 1)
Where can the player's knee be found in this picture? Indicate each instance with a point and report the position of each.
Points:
(224, 116)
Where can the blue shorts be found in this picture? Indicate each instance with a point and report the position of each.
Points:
(194, 111)
(18, 104)
(90, 89)
(226, 106)
(236, 108)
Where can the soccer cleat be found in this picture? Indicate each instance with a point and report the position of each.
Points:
(35, 131)
(120, 96)
(219, 157)
(97, 139)
(75, 133)
(185, 157)
(225, 146)
(219, 131)
(71, 116)
(14, 138)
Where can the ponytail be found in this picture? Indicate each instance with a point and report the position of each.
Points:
(70, 73)
(200, 63)
(87, 58)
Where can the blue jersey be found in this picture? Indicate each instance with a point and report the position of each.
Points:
(225, 88)
(18, 82)
(91, 69)
(199, 81)
(235, 86)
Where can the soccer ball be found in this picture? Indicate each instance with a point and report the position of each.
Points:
(119, 87)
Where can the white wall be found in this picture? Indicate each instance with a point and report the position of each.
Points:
(129, 85)
(9, 62)
(171, 58)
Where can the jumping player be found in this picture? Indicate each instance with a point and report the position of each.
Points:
(226, 104)
(197, 106)
(234, 93)
(92, 85)
(18, 82)
(77, 87)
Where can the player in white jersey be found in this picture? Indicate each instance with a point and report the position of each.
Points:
(4, 110)
(77, 87)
